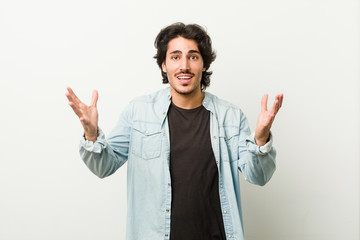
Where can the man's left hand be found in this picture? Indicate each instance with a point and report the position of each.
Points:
(266, 118)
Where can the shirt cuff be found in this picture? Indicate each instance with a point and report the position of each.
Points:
(258, 150)
(96, 146)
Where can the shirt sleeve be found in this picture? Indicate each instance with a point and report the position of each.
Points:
(104, 156)
(257, 163)
(258, 150)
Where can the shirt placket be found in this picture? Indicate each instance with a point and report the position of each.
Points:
(168, 177)
(224, 203)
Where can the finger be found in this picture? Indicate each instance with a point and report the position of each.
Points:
(264, 102)
(281, 99)
(276, 106)
(68, 95)
(72, 95)
(95, 97)
(72, 103)
(76, 109)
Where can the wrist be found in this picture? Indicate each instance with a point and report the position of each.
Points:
(91, 139)
(261, 141)
(91, 136)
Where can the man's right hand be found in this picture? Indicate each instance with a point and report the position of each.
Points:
(88, 115)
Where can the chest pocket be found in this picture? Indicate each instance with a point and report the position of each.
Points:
(146, 140)
(229, 136)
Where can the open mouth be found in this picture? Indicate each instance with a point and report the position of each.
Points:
(184, 78)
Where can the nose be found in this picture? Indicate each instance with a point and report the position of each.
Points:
(184, 65)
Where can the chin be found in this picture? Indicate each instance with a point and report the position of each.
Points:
(185, 90)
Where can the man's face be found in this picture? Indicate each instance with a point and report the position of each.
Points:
(184, 66)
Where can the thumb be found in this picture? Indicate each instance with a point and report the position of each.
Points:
(264, 102)
(95, 97)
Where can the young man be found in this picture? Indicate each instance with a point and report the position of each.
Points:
(184, 147)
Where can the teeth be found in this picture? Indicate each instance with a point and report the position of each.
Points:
(184, 77)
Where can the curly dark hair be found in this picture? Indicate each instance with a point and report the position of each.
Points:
(190, 31)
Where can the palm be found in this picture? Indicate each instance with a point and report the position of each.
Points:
(88, 115)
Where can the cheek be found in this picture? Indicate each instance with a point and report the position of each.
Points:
(170, 68)
(200, 68)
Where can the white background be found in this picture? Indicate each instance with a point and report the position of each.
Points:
(306, 49)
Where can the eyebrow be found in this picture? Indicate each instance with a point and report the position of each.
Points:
(178, 51)
(194, 51)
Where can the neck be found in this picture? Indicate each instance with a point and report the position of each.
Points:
(187, 101)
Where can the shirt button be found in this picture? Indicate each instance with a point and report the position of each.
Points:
(169, 184)
(167, 210)
(147, 132)
(214, 137)
(229, 236)
(164, 113)
(225, 211)
(166, 235)
(221, 186)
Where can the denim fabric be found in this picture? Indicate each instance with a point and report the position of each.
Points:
(141, 137)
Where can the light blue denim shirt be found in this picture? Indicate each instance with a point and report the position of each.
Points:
(141, 137)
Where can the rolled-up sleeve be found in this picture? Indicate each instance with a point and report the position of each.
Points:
(258, 150)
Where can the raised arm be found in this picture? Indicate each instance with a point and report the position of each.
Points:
(257, 156)
(88, 115)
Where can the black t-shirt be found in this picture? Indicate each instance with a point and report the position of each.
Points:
(195, 208)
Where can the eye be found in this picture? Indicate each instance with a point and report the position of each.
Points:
(175, 57)
(194, 57)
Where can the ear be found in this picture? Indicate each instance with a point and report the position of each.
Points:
(163, 66)
(204, 69)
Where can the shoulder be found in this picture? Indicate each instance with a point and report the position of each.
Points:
(154, 97)
(221, 103)
(226, 112)
(150, 107)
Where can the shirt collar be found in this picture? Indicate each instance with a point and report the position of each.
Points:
(207, 102)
